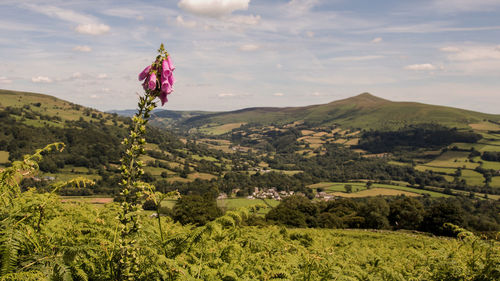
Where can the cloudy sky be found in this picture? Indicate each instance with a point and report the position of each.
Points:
(232, 54)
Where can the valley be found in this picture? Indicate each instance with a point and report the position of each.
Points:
(313, 193)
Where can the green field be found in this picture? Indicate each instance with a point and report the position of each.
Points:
(495, 182)
(472, 177)
(453, 159)
(156, 171)
(220, 129)
(495, 148)
(399, 163)
(235, 203)
(331, 187)
(489, 164)
(4, 157)
(207, 158)
(70, 176)
(448, 171)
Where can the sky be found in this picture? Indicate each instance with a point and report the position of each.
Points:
(232, 54)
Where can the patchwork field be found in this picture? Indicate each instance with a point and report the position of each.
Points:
(485, 126)
(423, 168)
(357, 187)
(453, 159)
(375, 192)
(220, 129)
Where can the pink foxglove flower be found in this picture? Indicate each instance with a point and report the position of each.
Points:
(166, 87)
(158, 77)
(170, 64)
(171, 80)
(152, 82)
(163, 98)
(165, 70)
(144, 73)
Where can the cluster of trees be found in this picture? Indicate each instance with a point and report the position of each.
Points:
(242, 183)
(491, 156)
(415, 136)
(391, 213)
(423, 214)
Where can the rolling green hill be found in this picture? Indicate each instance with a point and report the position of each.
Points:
(364, 111)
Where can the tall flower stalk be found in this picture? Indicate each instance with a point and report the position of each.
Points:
(133, 189)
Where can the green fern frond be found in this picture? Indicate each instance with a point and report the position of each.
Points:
(9, 249)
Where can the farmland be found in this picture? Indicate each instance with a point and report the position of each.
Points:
(360, 190)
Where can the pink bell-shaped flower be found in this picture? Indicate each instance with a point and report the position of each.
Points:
(163, 98)
(152, 82)
(144, 73)
(170, 64)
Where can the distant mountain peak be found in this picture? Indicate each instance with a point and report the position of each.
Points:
(368, 96)
(362, 100)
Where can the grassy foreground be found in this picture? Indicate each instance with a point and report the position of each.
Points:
(77, 240)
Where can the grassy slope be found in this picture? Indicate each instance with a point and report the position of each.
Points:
(50, 105)
(362, 111)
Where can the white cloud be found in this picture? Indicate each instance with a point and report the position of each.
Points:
(249, 47)
(5, 80)
(298, 7)
(76, 75)
(92, 28)
(225, 95)
(94, 96)
(357, 58)
(102, 76)
(83, 48)
(377, 40)
(124, 13)
(41, 79)
(464, 5)
(476, 53)
(278, 94)
(248, 20)
(106, 90)
(180, 21)
(213, 8)
(86, 24)
(310, 34)
(424, 66)
(62, 14)
(279, 66)
(450, 49)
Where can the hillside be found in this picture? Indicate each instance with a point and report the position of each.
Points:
(298, 154)
(364, 111)
(29, 121)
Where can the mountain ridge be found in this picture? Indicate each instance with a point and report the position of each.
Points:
(364, 111)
